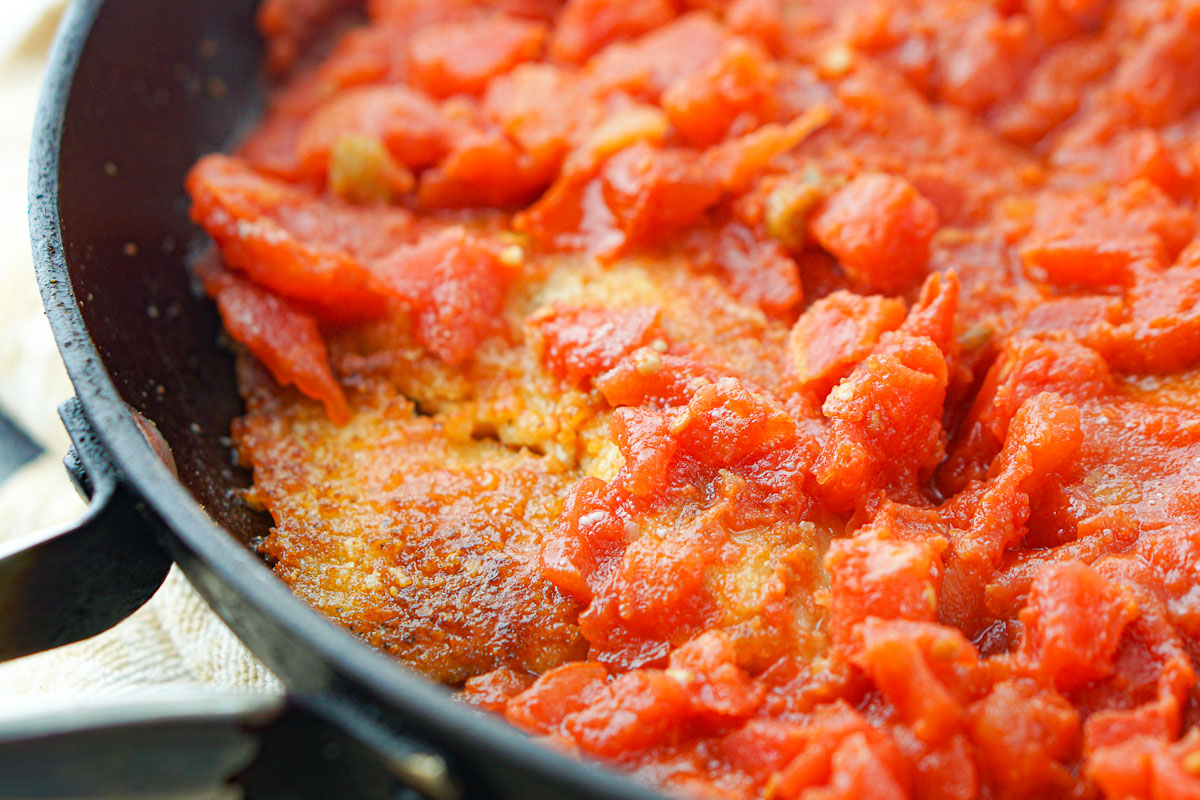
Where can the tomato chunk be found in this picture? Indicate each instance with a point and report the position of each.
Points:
(557, 694)
(885, 422)
(455, 283)
(485, 168)
(1026, 736)
(838, 331)
(880, 578)
(586, 26)
(493, 690)
(641, 710)
(408, 124)
(879, 228)
(266, 229)
(735, 91)
(651, 193)
(285, 339)
(579, 343)
(1074, 647)
(645, 440)
(461, 57)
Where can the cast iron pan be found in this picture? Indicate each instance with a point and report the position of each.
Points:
(136, 91)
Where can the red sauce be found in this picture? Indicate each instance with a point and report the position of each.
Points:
(807, 390)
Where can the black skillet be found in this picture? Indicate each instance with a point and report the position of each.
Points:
(136, 91)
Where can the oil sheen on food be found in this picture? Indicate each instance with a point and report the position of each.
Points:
(771, 398)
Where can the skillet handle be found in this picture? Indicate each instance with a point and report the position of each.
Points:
(65, 585)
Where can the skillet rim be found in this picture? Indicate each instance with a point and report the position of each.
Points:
(206, 551)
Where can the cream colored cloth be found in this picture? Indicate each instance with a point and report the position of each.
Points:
(174, 643)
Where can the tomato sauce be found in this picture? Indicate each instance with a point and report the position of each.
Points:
(767, 398)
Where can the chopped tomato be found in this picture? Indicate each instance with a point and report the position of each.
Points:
(493, 690)
(641, 710)
(285, 339)
(735, 91)
(461, 57)
(290, 25)
(885, 422)
(484, 168)
(645, 440)
(265, 229)
(879, 228)
(835, 333)
(408, 124)
(579, 343)
(649, 65)
(454, 283)
(556, 695)
(1026, 736)
(651, 193)
(880, 579)
(586, 26)
(759, 272)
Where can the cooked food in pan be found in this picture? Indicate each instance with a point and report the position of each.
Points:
(774, 398)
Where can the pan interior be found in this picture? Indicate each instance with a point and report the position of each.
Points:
(157, 86)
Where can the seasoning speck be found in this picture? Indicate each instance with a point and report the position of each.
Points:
(512, 256)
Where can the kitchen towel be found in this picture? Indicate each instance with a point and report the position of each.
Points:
(174, 643)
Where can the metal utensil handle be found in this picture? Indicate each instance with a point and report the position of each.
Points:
(64, 585)
(270, 747)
